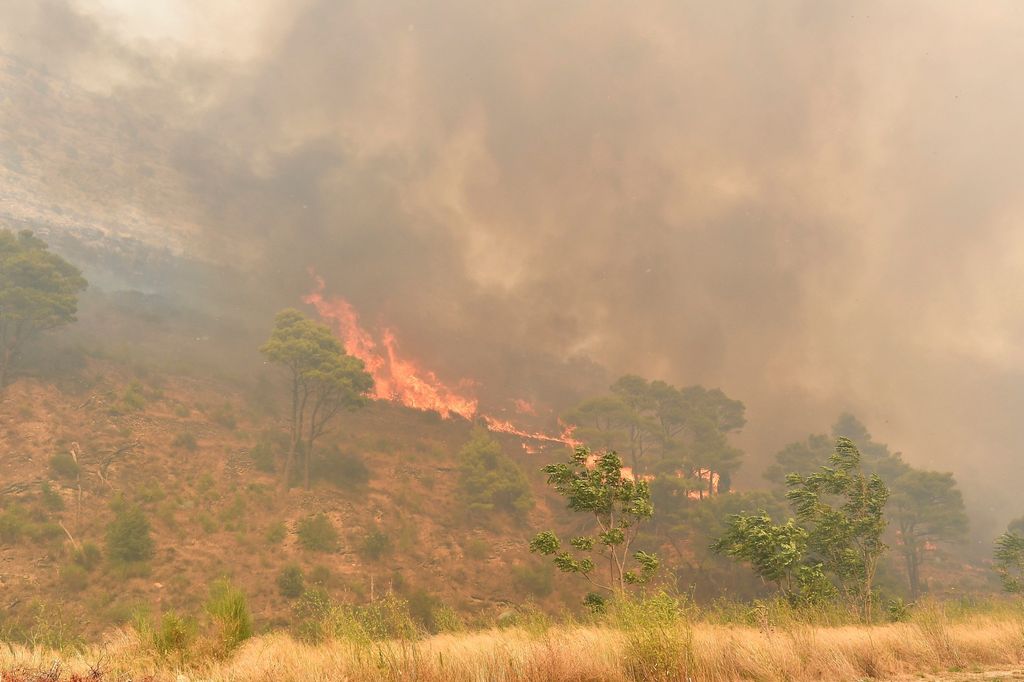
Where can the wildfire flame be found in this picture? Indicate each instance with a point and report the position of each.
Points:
(395, 378)
(401, 380)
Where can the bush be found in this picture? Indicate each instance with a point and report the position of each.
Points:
(172, 637)
(477, 549)
(185, 441)
(88, 557)
(375, 545)
(276, 533)
(14, 523)
(490, 480)
(317, 534)
(73, 578)
(342, 469)
(321, 575)
(51, 498)
(267, 450)
(128, 535)
(229, 610)
(535, 578)
(63, 465)
(225, 416)
(133, 399)
(290, 582)
(658, 640)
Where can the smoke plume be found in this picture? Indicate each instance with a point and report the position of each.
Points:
(812, 205)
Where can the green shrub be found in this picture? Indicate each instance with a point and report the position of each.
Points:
(318, 534)
(342, 469)
(321, 575)
(14, 523)
(658, 639)
(290, 582)
(51, 499)
(88, 557)
(225, 416)
(490, 480)
(63, 465)
(267, 450)
(128, 535)
(447, 619)
(229, 610)
(134, 398)
(173, 637)
(386, 618)
(73, 578)
(276, 533)
(535, 578)
(422, 607)
(375, 545)
(185, 441)
(477, 549)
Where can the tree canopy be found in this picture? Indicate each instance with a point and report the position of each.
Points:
(323, 381)
(38, 292)
(593, 485)
(664, 429)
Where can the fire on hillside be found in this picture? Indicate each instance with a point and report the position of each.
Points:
(401, 380)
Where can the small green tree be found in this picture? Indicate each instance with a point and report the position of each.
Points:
(323, 381)
(1009, 558)
(38, 292)
(926, 507)
(846, 537)
(291, 582)
(317, 534)
(490, 480)
(778, 554)
(128, 535)
(595, 486)
(229, 610)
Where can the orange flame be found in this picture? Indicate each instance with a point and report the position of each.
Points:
(401, 380)
(503, 426)
(395, 378)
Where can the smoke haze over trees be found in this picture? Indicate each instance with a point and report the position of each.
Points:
(811, 205)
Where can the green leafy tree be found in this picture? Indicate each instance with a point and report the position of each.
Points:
(617, 506)
(926, 507)
(778, 554)
(323, 382)
(489, 479)
(128, 535)
(663, 429)
(1009, 557)
(843, 509)
(38, 292)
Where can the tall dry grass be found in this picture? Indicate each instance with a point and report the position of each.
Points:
(668, 650)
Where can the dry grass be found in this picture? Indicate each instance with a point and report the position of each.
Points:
(932, 645)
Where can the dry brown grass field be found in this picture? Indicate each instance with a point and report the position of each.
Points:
(930, 646)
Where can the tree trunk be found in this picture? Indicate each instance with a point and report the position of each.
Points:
(913, 571)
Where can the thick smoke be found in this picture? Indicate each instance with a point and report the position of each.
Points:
(813, 205)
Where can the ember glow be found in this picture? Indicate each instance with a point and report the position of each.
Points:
(399, 379)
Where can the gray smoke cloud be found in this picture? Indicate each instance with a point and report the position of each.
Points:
(814, 205)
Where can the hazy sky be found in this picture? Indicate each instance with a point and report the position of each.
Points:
(815, 205)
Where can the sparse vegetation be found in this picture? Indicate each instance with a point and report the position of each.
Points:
(63, 465)
(317, 534)
(128, 536)
(489, 480)
(290, 582)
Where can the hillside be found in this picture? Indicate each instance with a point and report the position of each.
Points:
(183, 450)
